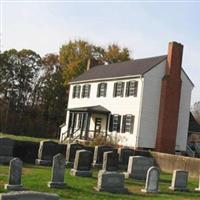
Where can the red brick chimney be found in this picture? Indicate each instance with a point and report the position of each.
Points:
(170, 100)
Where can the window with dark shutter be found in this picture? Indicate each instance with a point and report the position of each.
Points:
(127, 124)
(101, 90)
(118, 90)
(115, 122)
(131, 88)
(86, 91)
(76, 91)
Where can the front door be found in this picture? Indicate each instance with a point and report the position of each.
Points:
(97, 128)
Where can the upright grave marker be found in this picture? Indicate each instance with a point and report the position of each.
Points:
(15, 173)
(152, 180)
(58, 172)
(110, 161)
(82, 163)
(179, 180)
(6, 150)
(47, 150)
(28, 195)
(71, 153)
(98, 155)
(109, 180)
(138, 167)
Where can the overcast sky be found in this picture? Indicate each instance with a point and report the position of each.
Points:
(145, 28)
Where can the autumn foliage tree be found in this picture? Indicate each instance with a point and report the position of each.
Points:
(33, 90)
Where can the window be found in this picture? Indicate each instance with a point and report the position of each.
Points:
(101, 90)
(86, 91)
(118, 89)
(76, 91)
(127, 123)
(131, 88)
(115, 122)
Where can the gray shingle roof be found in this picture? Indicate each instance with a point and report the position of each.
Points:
(127, 68)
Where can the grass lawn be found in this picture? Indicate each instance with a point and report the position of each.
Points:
(24, 138)
(36, 178)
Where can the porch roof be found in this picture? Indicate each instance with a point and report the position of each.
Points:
(90, 109)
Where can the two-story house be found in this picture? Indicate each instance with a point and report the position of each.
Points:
(142, 103)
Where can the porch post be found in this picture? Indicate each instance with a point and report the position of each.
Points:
(107, 124)
(88, 125)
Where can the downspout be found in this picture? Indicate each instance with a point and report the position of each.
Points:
(140, 112)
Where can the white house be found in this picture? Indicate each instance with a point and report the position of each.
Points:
(142, 103)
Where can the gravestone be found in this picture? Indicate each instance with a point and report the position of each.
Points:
(110, 182)
(179, 180)
(58, 172)
(47, 150)
(15, 173)
(152, 180)
(82, 164)
(198, 189)
(110, 161)
(98, 155)
(26, 151)
(28, 195)
(138, 167)
(6, 150)
(124, 154)
(71, 153)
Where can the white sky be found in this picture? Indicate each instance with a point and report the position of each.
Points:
(145, 28)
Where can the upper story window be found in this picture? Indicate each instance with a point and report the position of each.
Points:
(127, 123)
(131, 88)
(118, 90)
(86, 91)
(76, 91)
(101, 90)
(115, 122)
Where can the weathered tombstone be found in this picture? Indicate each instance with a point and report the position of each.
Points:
(179, 180)
(82, 164)
(110, 161)
(71, 153)
(152, 180)
(124, 154)
(28, 195)
(198, 189)
(58, 172)
(98, 155)
(47, 150)
(6, 150)
(15, 173)
(138, 167)
(110, 182)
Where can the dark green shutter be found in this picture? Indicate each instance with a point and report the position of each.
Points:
(105, 89)
(123, 123)
(83, 91)
(135, 88)
(79, 90)
(98, 90)
(89, 87)
(122, 89)
(114, 89)
(127, 88)
(132, 123)
(111, 123)
(119, 123)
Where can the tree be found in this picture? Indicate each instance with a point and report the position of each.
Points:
(53, 91)
(115, 54)
(77, 56)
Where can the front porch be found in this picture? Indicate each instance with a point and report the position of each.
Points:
(87, 122)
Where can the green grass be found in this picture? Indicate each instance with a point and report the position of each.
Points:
(36, 178)
(24, 138)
